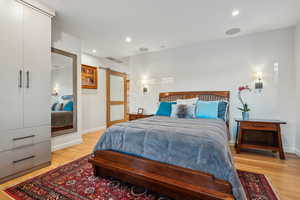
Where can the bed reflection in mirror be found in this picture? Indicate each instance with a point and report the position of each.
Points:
(63, 98)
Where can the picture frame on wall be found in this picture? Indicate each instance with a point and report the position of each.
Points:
(89, 77)
(140, 111)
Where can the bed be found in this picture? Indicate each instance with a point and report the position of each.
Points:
(180, 158)
(62, 114)
(61, 120)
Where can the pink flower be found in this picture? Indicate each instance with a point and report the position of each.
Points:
(241, 88)
(244, 88)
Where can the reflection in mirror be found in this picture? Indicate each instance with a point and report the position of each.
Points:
(64, 93)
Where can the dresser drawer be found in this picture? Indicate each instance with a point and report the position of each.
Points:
(23, 137)
(259, 126)
(17, 160)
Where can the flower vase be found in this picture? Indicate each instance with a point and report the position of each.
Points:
(245, 115)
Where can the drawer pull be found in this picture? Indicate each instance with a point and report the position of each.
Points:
(23, 159)
(22, 138)
(256, 125)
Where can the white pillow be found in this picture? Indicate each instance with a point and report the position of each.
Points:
(174, 111)
(187, 101)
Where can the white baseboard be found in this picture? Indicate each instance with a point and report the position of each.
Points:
(289, 149)
(92, 130)
(65, 141)
(297, 151)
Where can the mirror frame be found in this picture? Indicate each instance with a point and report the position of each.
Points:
(74, 59)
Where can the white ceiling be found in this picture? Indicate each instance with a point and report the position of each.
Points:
(104, 24)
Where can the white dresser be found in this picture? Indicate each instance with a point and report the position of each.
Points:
(25, 64)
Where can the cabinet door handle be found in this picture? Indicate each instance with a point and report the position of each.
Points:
(23, 159)
(27, 76)
(20, 78)
(22, 138)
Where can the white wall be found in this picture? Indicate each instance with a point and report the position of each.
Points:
(225, 65)
(297, 59)
(61, 76)
(94, 101)
(69, 43)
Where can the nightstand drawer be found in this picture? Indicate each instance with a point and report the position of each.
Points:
(138, 116)
(259, 126)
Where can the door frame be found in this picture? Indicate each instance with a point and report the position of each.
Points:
(109, 103)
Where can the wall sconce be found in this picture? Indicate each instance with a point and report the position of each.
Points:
(55, 90)
(145, 89)
(144, 86)
(258, 82)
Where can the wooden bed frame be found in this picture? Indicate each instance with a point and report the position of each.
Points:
(170, 180)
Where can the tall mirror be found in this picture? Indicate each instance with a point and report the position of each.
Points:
(64, 92)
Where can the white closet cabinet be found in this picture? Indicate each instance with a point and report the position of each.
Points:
(11, 97)
(25, 61)
(37, 68)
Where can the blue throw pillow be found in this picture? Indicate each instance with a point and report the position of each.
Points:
(165, 109)
(222, 110)
(68, 106)
(207, 109)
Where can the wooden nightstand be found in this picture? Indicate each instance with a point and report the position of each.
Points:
(259, 134)
(138, 116)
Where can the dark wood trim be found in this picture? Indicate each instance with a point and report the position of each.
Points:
(75, 88)
(137, 116)
(176, 182)
(117, 102)
(264, 121)
(191, 94)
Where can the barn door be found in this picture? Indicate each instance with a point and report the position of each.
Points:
(116, 97)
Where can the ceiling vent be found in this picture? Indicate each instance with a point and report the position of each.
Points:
(114, 59)
(144, 49)
(233, 31)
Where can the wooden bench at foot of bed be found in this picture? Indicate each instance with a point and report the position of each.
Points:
(176, 182)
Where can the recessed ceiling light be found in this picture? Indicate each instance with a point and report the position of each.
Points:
(235, 13)
(233, 31)
(128, 39)
(94, 51)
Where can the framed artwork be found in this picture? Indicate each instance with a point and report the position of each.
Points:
(140, 111)
(89, 77)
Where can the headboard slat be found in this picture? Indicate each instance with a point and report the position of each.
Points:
(202, 95)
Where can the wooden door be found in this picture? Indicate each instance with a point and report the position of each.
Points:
(37, 66)
(11, 75)
(116, 92)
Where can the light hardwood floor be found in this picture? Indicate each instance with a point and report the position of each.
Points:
(283, 175)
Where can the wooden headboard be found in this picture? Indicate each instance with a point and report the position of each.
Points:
(202, 95)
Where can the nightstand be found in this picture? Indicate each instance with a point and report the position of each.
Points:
(259, 134)
(138, 116)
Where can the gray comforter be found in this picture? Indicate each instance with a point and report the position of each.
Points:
(199, 144)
